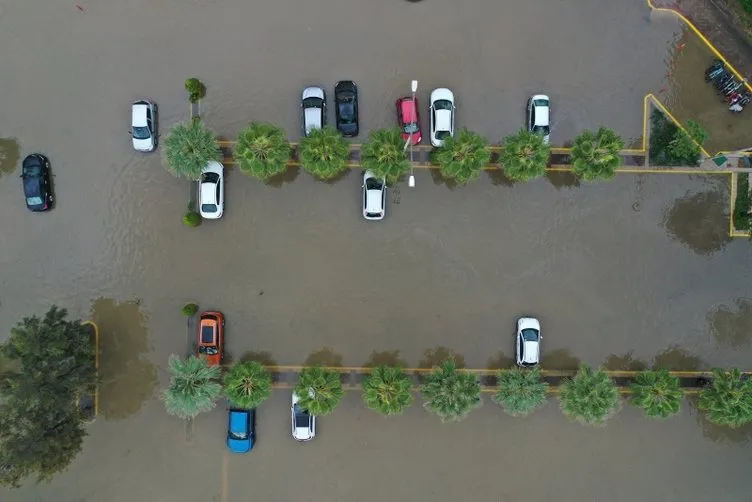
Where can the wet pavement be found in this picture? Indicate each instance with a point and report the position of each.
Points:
(635, 271)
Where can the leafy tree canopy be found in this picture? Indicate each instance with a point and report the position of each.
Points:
(384, 155)
(525, 156)
(451, 393)
(728, 399)
(521, 391)
(463, 157)
(188, 148)
(193, 387)
(591, 397)
(324, 152)
(248, 384)
(387, 390)
(262, 150)
(319, 390)
(596, 155)
(657, 392)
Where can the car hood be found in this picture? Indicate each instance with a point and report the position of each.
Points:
(528, 323)
(239, 445)
(143, 145)
(313, 92)
(138, 118)
(302, 433)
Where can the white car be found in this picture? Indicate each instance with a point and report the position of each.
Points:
(374, 196)
(539, 116)
(313, 104)
(528, 341)
(211, 191)
(303, 423)
(442, 116)
(144, 125)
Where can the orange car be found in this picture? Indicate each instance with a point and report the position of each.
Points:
(211, 337)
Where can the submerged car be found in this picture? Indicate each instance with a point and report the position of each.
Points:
(528, 341)
(442, 116)
(408, 119)
(374, 196)
(303, 423)
(313, 104)
(37, 187)
(346, 97)
(211, 337)
(212, 191)
(241, 430)
(539, 116)
(144, 125)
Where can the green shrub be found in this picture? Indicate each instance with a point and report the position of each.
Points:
(670, 146)
(191, 219)
(190, 309)
(196, 89)
(742, 218)
(746, 5)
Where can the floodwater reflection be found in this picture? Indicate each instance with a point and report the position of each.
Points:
(677, 359)
(9, 155)
(732, 326)
(127, 378)
(624, 362)
(700, 221)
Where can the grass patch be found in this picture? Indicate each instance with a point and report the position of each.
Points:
(742, 218)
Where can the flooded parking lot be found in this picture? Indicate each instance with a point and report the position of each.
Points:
(639, 269)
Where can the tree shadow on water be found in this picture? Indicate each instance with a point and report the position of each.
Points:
(700, 221)
(719, 433)
(563, 179)
(676, 359)
(624, 362)
(434, 357)
(389, 358)
(324, 357)
(500, 362)
(438, 179)
(498, 178)
(127, 378)
(732, 326)
(560, 359)
(286, 177)
(261, 357)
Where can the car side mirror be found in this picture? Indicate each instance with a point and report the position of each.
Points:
(130, 131)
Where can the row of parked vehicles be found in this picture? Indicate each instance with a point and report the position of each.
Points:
(241, 424)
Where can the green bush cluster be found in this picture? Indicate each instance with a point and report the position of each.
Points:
(191, 219)
(196, 89)
(190, 309)
(671, 146)
(742, 219)
(746, 5)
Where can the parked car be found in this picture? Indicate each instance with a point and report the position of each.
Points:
(408, 119)
(144, 125)
(211, 336)
(241, 430)
(528, 341)
(346, 96)
(442, 116)
(313, 104)
(212, 191)
(37, 186)
(374, 196)
(303, 423)
(539, 116)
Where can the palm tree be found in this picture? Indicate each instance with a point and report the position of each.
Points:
(248, 384)
(262, 150)
(525, 156)
(319, 390)
(462, 157)
(324, 152)
(521, 391)
(387, 390)
(657, 392)
(591, 397)
(596, 155)
(188, 148)
(451, 393)
(728, 400)
(383, 154)
(193, 387)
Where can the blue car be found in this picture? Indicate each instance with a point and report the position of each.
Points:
(241, 430)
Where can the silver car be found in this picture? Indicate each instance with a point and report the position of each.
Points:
(313, 106)
(539, 116)
(528, 341)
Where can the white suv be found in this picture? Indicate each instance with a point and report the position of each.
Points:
(303, 423)
(374, 196)
(539, 116)
(144, 125)
(442, 115)
(211, 191)
(528, 341)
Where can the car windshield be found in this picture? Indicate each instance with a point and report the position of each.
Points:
(34, 201)
(374, 184)
(411, 128)
(209, 208)
(32, 171)
(209, 178)
(442, 104)
(530, 335)
(540, 102)
(544, 130)
(442, 134)
(238, 435)
(141, 133)
(312, 103)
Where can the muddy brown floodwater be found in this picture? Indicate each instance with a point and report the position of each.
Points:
(631, 273)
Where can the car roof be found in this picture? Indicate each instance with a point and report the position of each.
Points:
(374, 201)
(443, 120)
(531, 352)
(238, 420)
(408, 109)
(541, 115)
(208, 194)
(313, 117)
(139, 115)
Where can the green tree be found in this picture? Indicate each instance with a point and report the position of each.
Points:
(462, 157)
(451, 393)
(196, 89)
(596, 155)
(387, 390)
(188, 148)
(193, 387)
(685, 147)
(262, 150)
(657, 392)
(248, 384)
(591, 397)
(319, 390)
(728, 399)
(525, 156)
(384, 155)
(521, 391)
(48, 362)
(324, 152)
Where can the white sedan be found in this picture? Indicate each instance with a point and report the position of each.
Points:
(313, 103)
(144, 125)
(303, 423)
(539, 116)
(374, 196)
(528, 341)
(212, 191)
(442, 116)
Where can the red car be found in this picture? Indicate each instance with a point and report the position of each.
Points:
(408, 119)
(211, 337)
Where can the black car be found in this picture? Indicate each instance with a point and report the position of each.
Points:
(346, 96)
(36, 182)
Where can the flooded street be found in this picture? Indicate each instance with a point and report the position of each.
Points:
(636, 271)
